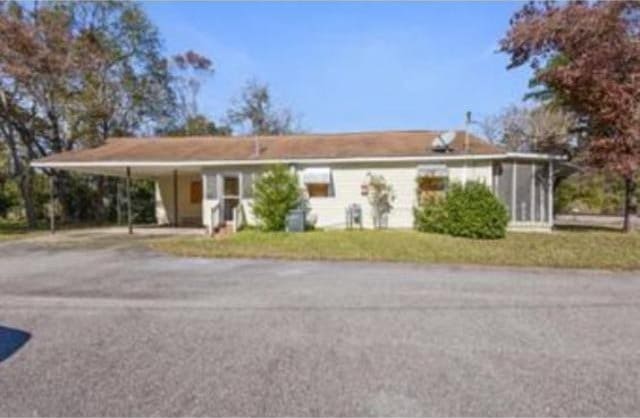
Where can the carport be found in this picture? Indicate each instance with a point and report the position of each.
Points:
(172, 182)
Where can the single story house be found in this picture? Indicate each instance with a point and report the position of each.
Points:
(208, 181)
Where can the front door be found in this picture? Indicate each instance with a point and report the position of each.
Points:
(231, 196)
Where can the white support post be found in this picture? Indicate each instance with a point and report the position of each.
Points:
(496, 179)
(542, 204)
(203, 204)
(129, 210)
(175, 198)
(221, 209)
(514, 209)
(532, 207)
(550, 193)
(52, 202)
(119, 200)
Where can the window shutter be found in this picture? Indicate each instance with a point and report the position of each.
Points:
(195, 192)
(212, 186)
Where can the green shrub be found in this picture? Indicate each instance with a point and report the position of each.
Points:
(276, 192)
(473, 211)
(143, 201)
(431, 215)
(8, 199)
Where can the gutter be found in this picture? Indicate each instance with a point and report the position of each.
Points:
(301, 161)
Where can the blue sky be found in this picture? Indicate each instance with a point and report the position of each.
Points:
(352, 66)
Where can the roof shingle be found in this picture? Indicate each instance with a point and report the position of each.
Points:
(289, 147)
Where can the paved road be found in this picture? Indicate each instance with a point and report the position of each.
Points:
(119, 330)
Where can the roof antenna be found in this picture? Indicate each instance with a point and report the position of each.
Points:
(467, 123)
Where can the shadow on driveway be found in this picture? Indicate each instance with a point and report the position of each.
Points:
(11, 340)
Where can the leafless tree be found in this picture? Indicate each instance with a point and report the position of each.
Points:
(543, 128)
(254, 110)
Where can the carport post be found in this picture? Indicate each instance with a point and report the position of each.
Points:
(52, 211)
(175, 197)
(550, 193)
(119, 201)
(128, 186)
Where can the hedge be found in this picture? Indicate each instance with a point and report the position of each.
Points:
(470, 210)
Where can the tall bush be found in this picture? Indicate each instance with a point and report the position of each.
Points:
(474, 211)
(431, 215)
(276, 192)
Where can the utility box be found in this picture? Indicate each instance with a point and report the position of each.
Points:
(295, 221)
(354, 216)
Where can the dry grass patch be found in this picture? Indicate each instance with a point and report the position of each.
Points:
(592, 249)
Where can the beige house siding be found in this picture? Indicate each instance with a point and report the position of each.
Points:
(475, 171)
(346, 185)
(347, 180)
(189, 214)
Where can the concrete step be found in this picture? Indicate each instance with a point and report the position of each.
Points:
(223, 231)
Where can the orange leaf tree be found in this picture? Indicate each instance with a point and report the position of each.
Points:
(588, 56)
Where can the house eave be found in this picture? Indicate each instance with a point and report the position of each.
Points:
(298, 161)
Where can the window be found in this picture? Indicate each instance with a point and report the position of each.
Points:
(247, 180)
(431, 188)
(432, 184)
(317, 181)
(318, 189)
(196, 191)
(432, 181)
(231, 186)
(212, 186)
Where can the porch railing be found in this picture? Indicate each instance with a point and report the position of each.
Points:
(239, 217)
(214, 220)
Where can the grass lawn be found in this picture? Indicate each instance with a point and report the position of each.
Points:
(13, 230)
(571, 249)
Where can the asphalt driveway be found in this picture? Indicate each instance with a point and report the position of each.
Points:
(115, 329)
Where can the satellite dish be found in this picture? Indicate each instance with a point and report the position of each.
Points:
(442, 141)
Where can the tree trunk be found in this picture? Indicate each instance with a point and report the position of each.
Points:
(629, 202)
(26, 192)
(102, 182)
(62, 185)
